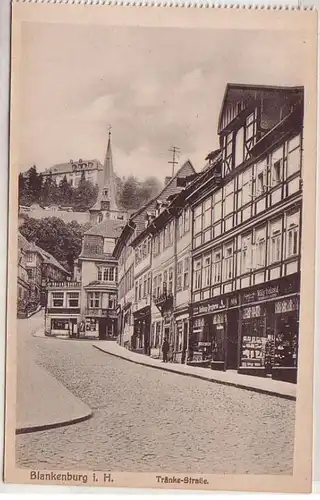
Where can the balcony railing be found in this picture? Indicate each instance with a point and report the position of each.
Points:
(99, 312)
(64, 284)
(163, 299)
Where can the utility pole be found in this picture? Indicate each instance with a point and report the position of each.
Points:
(175, 152)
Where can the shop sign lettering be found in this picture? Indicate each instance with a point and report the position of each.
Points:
(261, 294)
(208, 308)
(271, 291)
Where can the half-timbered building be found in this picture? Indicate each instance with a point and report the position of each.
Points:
(246, 236)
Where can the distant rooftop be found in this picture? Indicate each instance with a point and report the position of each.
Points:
(65, 168)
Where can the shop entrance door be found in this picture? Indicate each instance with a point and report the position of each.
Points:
(232, 341)
(184, 341)
(102, 328)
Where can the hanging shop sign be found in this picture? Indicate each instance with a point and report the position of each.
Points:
(204, 344)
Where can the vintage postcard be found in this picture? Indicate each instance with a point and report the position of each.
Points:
(161, 247)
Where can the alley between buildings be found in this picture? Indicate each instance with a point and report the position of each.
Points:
(148, 420)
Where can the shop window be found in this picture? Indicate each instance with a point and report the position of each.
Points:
(94, 300)
(216, 268)
(179, 275)
(206, 271)
(186, 273)
(286, 336)
(57, 299)
(228, 263)
(219, 326)
(59, 324)
(254, 337)
(197, 274)
(73, 299)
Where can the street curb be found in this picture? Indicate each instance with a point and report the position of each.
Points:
(55, 425)
(201, 377)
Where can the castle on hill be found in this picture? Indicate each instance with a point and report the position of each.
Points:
(102, 175)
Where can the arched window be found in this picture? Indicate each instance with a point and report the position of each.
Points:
(100, 217)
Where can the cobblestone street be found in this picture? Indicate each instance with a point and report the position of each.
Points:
(149, 420)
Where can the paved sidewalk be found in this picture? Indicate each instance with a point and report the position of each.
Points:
(248, 382)
(42, 402)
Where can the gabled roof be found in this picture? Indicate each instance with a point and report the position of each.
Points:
(109, 228)
(160, 196)
(238, 91)
(25, 245)
(163, 191)
(49, 259)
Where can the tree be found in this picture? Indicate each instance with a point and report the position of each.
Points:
(129, 196)
(34, 183)
(60, 239)
(66, 192)
(85, 195)
(149, 188)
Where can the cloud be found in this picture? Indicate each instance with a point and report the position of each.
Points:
(156, 87)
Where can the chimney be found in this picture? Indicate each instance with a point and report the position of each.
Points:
(167, 180)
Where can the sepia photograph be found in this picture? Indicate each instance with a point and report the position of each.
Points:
(161, 252)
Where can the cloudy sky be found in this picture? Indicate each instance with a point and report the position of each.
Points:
(156, 87)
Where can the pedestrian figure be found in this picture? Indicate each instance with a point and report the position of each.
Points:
(170, 353)
(165, 349)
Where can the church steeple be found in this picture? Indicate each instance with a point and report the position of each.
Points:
(106, 205)
(108, 191)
